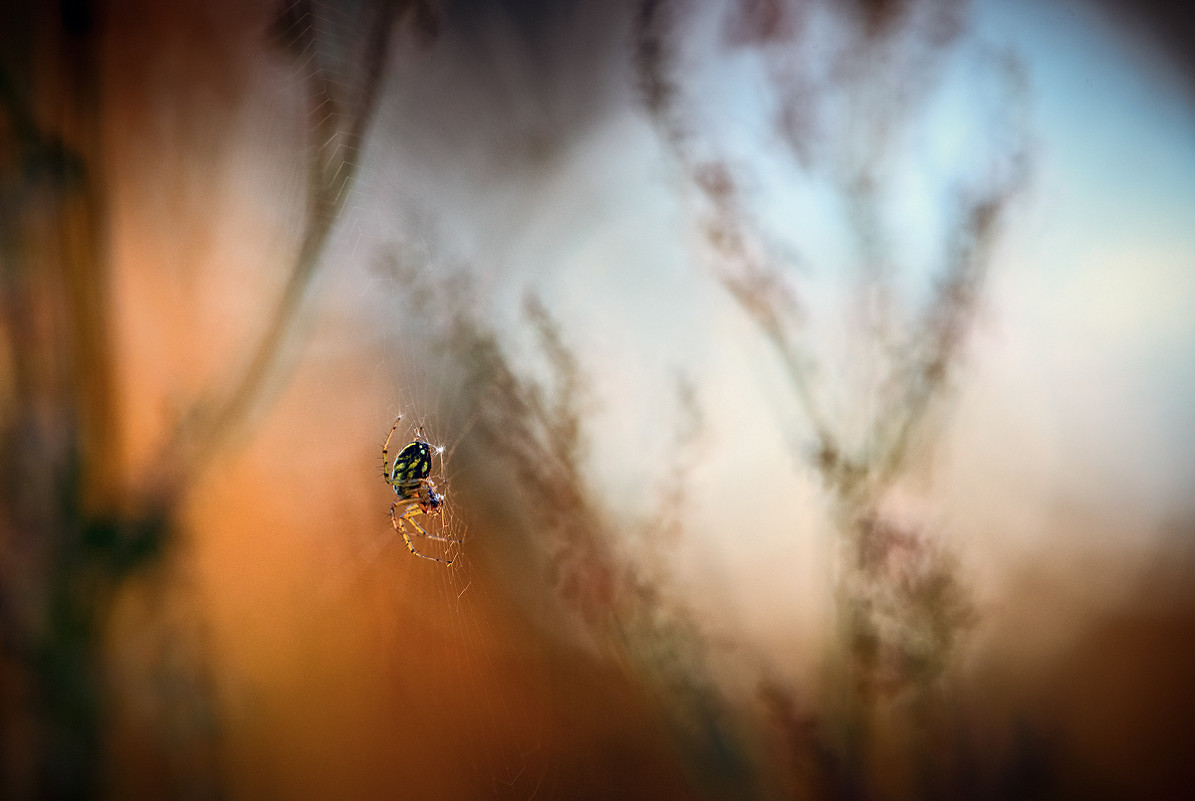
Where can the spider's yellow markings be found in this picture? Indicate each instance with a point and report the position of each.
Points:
(412, 465)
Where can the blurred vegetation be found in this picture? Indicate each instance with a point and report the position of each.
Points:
(75, 525)
(902, 606)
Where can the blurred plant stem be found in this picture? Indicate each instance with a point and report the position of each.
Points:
(67, 541)
(608, 570)
(339, 122)
(75, 525)
(900, 607)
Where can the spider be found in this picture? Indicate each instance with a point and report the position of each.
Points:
(416, 493)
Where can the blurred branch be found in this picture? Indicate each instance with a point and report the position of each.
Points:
(741, 265)
(753, 271)
(900, 605)
(539, 434)
(933, 351)
(84, 258)
(334, 153)
(607, 568)
(54, 227)
(74, 527)
(65, 546)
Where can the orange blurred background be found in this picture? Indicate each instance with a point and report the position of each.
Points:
(243, 238)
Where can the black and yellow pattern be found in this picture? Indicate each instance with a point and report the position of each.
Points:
(413, 464)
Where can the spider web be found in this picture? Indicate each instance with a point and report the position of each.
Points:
(453, 685)
(505, 730)
(373, 669)
(346, 665)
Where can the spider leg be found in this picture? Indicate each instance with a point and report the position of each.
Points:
(411, 507)
(386, 466)
(410, 518)
(400, 521)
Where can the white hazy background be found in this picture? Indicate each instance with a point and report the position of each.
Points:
(1068, 452)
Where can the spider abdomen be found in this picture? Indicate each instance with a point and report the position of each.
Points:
(413, 463)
